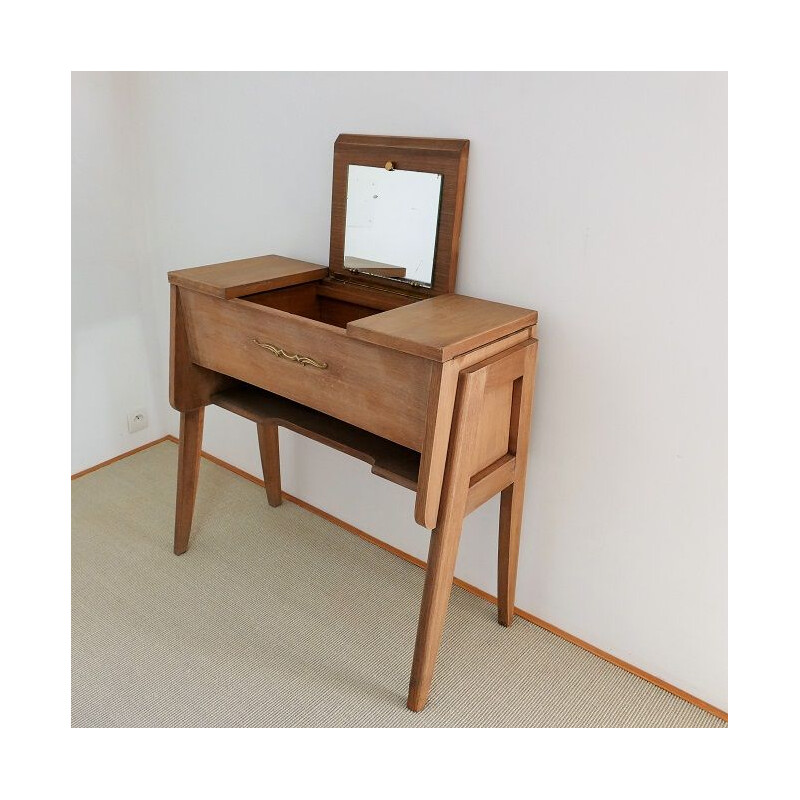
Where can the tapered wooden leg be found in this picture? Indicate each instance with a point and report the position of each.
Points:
(191, 440)
(270, 461)
(508, 550)
(435, 597)
(511, 498)
(444, 540)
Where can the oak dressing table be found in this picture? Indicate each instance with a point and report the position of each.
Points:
(374, 356)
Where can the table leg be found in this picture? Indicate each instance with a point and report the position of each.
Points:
(191, 440)
(444, 540)
(270, 461)
(508, 551)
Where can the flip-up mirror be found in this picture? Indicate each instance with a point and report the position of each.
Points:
(391, 220)
(396, 211)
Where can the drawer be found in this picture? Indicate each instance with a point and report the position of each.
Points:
(381, 390)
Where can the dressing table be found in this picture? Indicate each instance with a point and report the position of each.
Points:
(374, 355)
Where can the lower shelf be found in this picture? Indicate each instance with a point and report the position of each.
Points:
(389, 460)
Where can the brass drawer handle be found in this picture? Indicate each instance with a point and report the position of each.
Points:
(302, 360)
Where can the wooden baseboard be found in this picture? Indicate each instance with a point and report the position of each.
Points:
(102, 464)
(640, 673)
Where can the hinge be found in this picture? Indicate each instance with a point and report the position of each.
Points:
(336, 276)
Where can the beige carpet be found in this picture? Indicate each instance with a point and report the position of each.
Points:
(277, 618)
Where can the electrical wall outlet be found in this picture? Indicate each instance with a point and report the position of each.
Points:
(137, 420)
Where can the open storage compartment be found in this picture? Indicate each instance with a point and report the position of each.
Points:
(330, 302)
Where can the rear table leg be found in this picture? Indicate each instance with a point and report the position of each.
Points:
(511, 498)
(270, 461)
(508, 551)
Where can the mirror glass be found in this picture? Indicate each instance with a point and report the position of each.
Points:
(392, 216)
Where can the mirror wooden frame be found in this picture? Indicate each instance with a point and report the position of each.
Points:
(445, 157)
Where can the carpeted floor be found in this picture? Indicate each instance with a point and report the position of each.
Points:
(278, 618)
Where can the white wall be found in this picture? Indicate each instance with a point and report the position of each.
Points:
(598, 199)
(114, 343)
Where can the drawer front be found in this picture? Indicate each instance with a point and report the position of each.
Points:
(380, 390)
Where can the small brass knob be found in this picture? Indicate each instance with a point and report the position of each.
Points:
(389, 165)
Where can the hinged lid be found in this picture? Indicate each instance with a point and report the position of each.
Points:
(446, 158)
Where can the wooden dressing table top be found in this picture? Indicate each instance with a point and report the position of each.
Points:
(247, 276)
(437, 328)
(442, 327)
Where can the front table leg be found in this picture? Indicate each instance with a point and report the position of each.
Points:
(191, 440)
(444, 540)
(435, 597)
